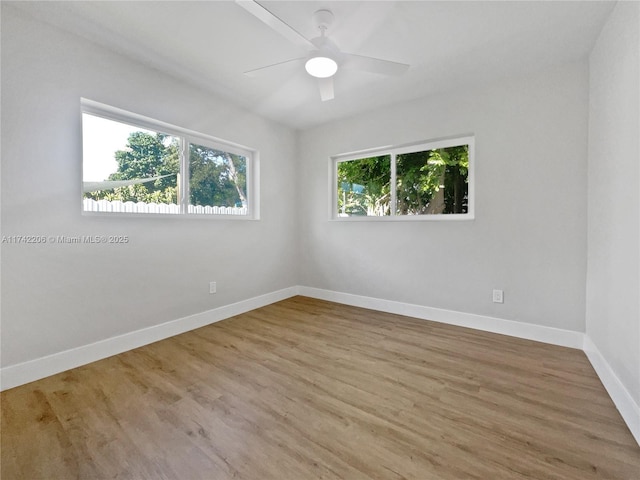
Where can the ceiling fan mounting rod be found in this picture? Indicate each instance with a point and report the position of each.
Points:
(323, 19)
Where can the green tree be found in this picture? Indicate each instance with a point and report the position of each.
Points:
(433, 181)
(145, 156)
(427, 182)
(149, 156)
(216, 178)
(364, 186)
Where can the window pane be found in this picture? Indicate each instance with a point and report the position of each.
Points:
(217, 181)
(127, 168)
(364, 187)
(433, 181)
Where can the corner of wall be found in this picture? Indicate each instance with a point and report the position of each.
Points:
(628, 408)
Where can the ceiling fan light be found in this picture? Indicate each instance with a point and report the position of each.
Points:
(321, 67)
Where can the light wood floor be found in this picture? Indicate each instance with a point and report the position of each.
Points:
(306, 389)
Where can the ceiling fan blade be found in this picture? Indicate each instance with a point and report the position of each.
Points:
(326, 88)
(256, 72)
(264, 15)
(373, 65)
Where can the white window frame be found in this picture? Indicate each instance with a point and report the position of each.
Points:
(393, 151)
(186, 137)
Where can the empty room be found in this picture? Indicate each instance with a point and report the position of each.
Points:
(299, 240)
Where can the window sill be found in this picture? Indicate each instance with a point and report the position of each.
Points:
(454, 217)
(190, 216)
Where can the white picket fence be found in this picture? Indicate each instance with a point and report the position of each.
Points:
(117, 206)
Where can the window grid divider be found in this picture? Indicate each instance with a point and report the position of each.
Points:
(393, 185)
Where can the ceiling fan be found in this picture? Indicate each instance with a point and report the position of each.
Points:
(324, 58)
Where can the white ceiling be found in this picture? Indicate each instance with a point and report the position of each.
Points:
(449, 45)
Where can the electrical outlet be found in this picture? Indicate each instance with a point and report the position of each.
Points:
(498, 296)
(212, 287)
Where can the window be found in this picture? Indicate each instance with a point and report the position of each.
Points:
(432, 180)
(364, 186)
(136, 165)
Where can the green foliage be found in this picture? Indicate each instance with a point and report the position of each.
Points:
(146, 156)
(364, 186)
(139, 193)
(149, 156)
(431, 181)
(216, 178)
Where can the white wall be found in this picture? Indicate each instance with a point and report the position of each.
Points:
(528, 236)
(56, 297)
(613, 272)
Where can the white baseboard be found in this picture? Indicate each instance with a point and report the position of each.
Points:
(621, 397)
(539, 333)
(21, 373)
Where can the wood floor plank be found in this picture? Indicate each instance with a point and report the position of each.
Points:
(306, 389)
